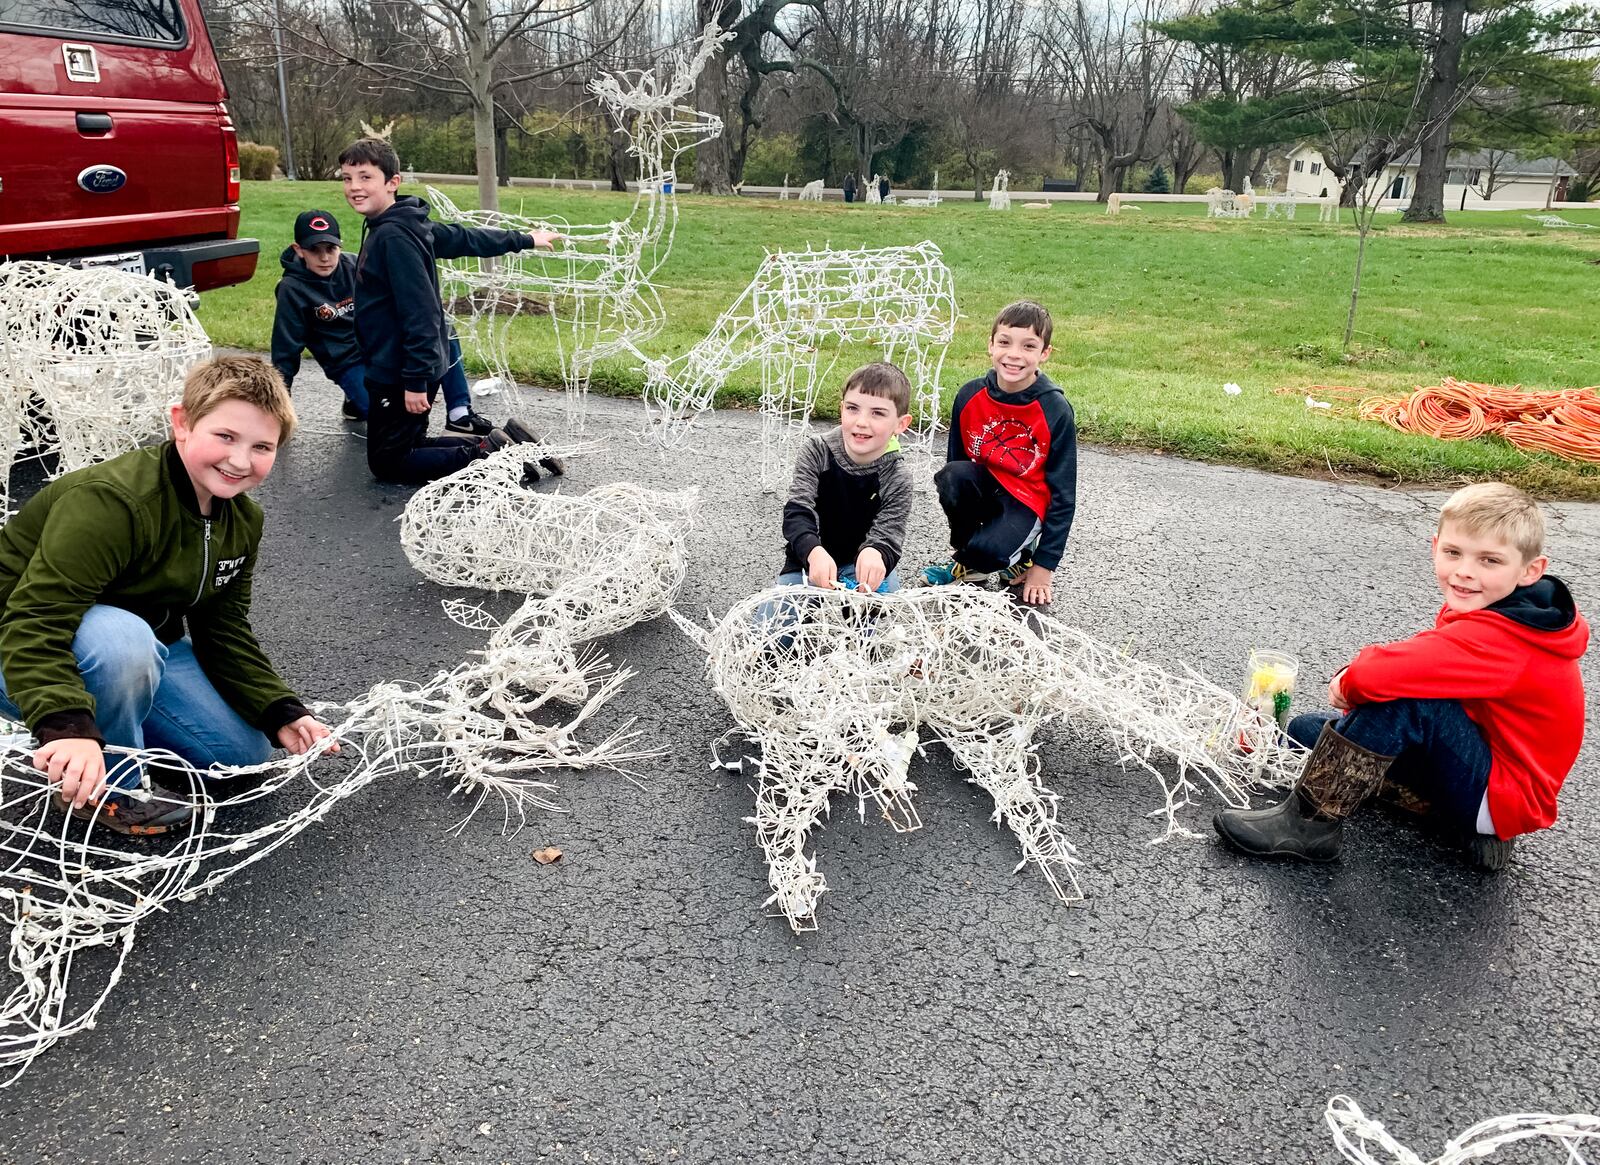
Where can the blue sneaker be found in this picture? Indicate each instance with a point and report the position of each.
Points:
(942, 574)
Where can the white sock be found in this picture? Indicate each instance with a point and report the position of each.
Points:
(460, 411)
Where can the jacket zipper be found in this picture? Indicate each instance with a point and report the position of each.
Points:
(205, 565)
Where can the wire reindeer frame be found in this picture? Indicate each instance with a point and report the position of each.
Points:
(799, 306)
(598, 282)
(497, 725)
(838, 687)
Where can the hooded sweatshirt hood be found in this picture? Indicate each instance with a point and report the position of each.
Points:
(1544, 606)
(1042, 386)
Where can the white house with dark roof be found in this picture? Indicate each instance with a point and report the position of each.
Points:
(1513, 179)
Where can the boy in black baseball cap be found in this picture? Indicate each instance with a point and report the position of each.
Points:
(316, 310)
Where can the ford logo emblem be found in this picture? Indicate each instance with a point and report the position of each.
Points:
(102, 179)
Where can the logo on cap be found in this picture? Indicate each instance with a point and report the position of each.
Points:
(319, 223)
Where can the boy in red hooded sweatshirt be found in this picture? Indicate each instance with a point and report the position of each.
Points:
(1480, 717)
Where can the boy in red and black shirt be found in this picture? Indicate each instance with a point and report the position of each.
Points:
(1479, 718)
(1010, 482)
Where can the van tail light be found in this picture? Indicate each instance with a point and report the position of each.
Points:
(230, 155)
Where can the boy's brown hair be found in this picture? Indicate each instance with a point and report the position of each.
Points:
(214, 382)
(1495, 510)
(880, 378)
(1024, 314)
(372, 152)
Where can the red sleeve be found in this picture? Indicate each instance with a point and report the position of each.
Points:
(1466, 659)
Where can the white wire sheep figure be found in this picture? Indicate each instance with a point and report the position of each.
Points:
(800, 305)
(835, 687)
(1000, 191)
(598, 283)
(1357, 1136)
(102, 352)
(496, 725)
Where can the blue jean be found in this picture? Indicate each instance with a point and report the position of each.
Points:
(148, 694)
(1440, 754)
(785, 612)
(353, 383)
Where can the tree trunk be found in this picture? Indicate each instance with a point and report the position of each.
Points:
(1427, 199)
(480, 76)
(617, 157)
(713, 158)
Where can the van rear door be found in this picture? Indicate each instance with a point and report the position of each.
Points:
(113, 128)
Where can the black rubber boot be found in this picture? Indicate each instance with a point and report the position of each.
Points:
(1309, 823)
(1489, 852)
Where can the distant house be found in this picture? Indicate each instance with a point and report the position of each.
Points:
(1514, 179)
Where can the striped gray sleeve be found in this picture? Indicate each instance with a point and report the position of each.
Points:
(801, 532)
(888, 531)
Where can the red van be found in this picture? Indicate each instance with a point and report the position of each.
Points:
(115, 147)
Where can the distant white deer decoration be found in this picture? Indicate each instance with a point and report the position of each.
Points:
(811, 191)
(898, 299)
(1000, 192)
(598, 281)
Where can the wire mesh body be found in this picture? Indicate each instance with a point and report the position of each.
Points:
(837, 688)
(597, 284)
(1365, 1141)
(793, 320)
(496, 725)
(93, 360)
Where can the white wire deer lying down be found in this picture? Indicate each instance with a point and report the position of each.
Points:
(598, 281)
(836, 688)
(498, 724)
(800, 304)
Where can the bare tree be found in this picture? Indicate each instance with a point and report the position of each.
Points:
(767, 40)
(459, 48)
(993, 106)
(1113, 71)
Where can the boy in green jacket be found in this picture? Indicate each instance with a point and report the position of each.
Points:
(100, 571)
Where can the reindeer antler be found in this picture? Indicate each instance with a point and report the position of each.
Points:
(381, 134)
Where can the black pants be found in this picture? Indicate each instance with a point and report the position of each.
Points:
(398, 445)
(987, 525)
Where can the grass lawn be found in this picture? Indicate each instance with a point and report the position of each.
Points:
(1154, 311)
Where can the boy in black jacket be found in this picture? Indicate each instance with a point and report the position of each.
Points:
(316, 310)
(400, 322)
(1010, 482)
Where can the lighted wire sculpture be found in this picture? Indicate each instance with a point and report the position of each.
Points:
(793, 320)
(836, 689)
(495, 726)
(597, 282)
(1000, 191)
(94, 359)
(1358, 1137)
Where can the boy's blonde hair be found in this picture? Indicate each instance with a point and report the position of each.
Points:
(1496, 510)
(214, 382)
(880, 378)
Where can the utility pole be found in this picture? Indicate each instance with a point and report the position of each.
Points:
(283, 91)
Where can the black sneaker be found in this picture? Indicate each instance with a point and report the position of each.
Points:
(350, 412)
(523, 435)
(1489, 852)
(471, 425)
(122, 814)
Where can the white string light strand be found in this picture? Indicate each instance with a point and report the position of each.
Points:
(1359, 1137)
